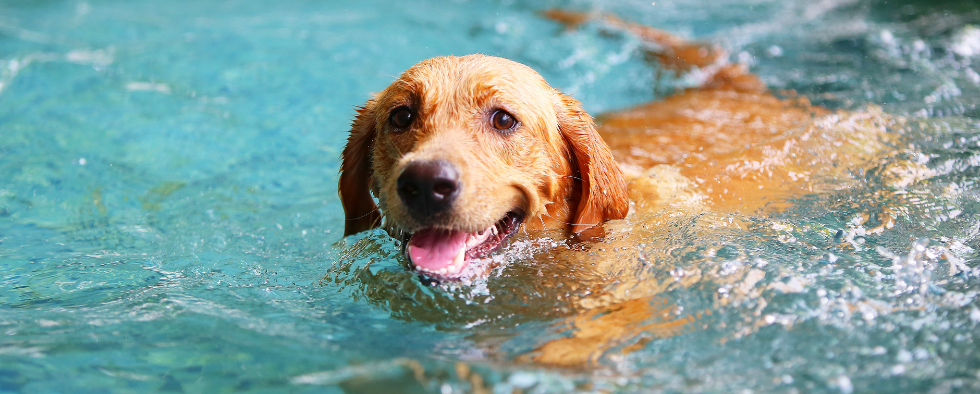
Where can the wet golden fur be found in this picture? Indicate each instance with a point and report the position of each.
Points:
(554, 166)
(729, 147)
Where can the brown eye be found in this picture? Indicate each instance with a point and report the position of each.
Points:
(401, 117)
(502, 120)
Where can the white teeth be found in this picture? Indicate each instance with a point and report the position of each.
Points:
(460, 258)
(480, 237)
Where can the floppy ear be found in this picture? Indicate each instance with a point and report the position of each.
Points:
(355, 174)
(604, 194)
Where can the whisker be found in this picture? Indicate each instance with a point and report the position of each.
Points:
(376, 209)
(571, 176)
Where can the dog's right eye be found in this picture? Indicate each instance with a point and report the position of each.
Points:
(502, 120)
(401, 117)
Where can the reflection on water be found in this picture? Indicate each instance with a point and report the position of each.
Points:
(168, 219)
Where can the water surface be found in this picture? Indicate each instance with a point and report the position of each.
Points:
(169, 219)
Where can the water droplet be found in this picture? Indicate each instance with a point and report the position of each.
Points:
(844, 384)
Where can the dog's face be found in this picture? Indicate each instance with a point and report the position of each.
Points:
(461, 152)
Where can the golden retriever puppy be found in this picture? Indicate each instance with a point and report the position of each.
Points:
(463, 153)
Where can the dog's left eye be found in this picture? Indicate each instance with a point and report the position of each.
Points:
(502, 120)
(401, 117)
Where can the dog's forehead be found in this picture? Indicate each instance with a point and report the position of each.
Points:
(474, 81)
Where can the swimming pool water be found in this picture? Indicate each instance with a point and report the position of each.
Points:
(169, 219)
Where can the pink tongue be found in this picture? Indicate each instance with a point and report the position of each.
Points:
(433, 249)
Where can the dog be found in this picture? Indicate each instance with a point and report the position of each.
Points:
(463, 153)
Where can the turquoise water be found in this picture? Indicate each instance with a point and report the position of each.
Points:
(169, 219)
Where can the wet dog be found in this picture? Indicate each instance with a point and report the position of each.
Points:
(463, 153)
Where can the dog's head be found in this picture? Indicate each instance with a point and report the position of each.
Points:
(461, 152)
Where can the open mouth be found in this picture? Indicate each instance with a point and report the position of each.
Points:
(447, 253)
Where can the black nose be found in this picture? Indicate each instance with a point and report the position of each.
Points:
(428, 187)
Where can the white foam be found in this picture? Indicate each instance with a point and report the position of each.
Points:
(966, 42)
(148, 87)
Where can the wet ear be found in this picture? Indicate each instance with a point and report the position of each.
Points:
(356, 173)
(603, 187)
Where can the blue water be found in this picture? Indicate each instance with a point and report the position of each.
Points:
(169, 219)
